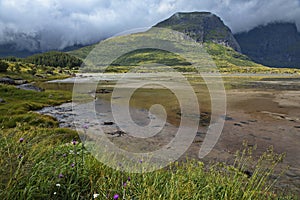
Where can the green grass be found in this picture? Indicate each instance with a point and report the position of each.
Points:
(225, 58)
(31, 72)
(47, 154)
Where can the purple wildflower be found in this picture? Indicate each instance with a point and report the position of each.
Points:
(20, 156)
(116, 196)
(60, 176)
(85, 126)
(64, 155)
(74, 142)
(124, 184)
(128, 178)
(72, 165)
(141, 161)
(21, 140)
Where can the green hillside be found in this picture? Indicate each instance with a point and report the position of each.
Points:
(225, 58)
(54, 59)
(205, 28)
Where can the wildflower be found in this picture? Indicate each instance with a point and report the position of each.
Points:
(60, 176)
(129, 178)
(54, 193)
(72, 165)
(95, 195)
(57, 185)
(20, 156)
(21, 140)
(85, 126)
(141, 161)
(124, 184)
(64, 155)
(74, 142)
(116, 196)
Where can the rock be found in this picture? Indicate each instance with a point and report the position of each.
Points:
(108, 123)
(227, 118)
(118, 133)
(200, 134)
(237, 124)
(202, 27)
(7, 80)
(103, 91)
(2, 100)
(243, 122)
(30, 87)
(20, 81)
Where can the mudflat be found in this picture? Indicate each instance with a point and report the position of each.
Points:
(263, 116)
(263, 111)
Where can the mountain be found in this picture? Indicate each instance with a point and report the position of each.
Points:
(12, 49)
(201, 26)
(275, 45)
(206, 28)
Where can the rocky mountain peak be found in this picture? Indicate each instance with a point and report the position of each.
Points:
(201, 26)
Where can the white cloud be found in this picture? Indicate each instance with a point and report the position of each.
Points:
(49, 24)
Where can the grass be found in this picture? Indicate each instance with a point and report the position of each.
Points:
(36, 73)
(48, 164)
(225, 58)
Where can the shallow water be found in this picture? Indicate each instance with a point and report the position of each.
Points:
(261, 109)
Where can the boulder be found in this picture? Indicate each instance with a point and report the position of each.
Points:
(7, 80)
(20, 81)
(30, 87)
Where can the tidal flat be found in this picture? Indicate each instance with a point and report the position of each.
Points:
(261, 109)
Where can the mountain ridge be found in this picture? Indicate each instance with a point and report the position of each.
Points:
(275, 44)
(201, 26)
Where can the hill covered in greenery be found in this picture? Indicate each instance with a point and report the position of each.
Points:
(54, 59)
(226, 59)
(205, 28)
(51, 58)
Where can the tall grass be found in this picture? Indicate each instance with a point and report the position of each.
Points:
(52, 164)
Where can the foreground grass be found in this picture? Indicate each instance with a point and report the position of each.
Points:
(39, 160)
(47, 165)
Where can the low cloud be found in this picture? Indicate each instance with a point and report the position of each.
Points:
(55, 24)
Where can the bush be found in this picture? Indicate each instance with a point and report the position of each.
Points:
(3, 66)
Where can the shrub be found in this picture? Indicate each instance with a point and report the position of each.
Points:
(3, 66)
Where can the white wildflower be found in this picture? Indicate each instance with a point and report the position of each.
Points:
(95, 196)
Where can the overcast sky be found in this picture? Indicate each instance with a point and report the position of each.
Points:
(52, 24)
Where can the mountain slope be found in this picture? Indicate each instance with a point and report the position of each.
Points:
(275, 45)
(205, 28)
(201, 26)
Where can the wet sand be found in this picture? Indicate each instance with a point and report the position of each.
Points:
(263, 112)
(264, 118)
